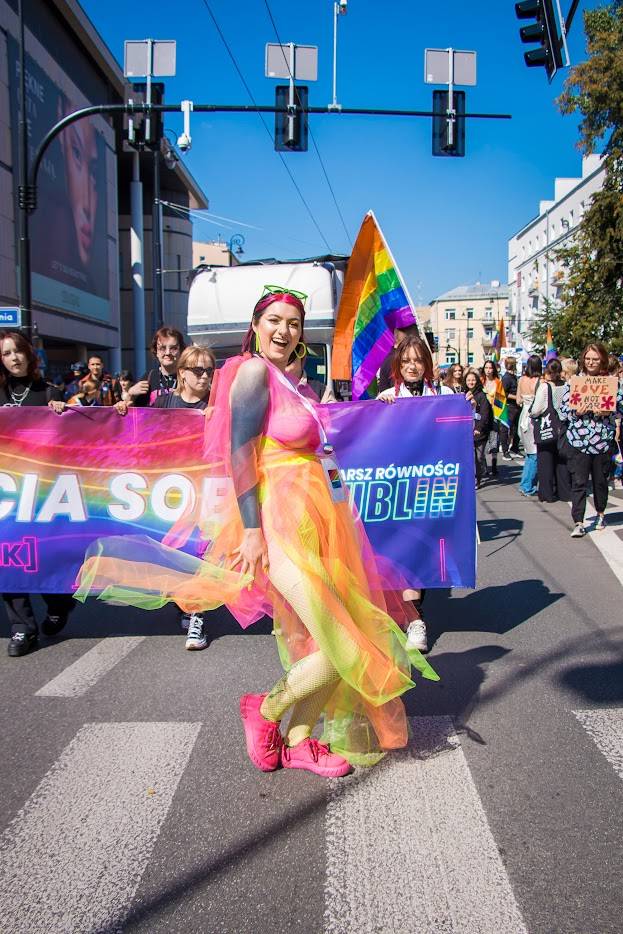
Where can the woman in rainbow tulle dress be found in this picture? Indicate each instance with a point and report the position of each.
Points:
(283, 541)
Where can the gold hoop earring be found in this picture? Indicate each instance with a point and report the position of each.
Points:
(258, 349)
(303, 354)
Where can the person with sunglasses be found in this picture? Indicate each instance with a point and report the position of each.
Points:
(195, 369)
(166, 346)
(282, 539)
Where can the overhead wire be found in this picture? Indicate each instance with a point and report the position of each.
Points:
(266, 127)
(311, 135)
(201, 215)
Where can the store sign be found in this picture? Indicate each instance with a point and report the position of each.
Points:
(10, 317)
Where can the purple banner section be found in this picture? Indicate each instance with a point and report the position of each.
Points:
(409, 468)
(67, 480)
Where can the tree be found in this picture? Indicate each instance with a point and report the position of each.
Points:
(592, 293)
(547, 317)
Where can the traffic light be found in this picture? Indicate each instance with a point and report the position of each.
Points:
(544, 31)
(291, 128)
(448, 134)
(136, 123)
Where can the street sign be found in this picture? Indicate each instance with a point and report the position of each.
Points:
(278, 64)
(10, 317)
(155, 57)
(439, 70)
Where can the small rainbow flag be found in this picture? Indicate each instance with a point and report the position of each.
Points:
(550, 349)
(374, 302)
(500, 405)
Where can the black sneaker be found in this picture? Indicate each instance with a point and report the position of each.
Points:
(21, 643)
(52, 625)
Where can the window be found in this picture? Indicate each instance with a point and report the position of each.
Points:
(488, 314)
(450, 314)
(470, 312)
(450, 334)
(470, 358)
(470, 333)
(450, 357)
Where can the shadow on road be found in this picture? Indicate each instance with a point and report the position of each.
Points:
(600, 684)
(473, 612)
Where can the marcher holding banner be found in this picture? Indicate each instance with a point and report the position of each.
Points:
(284, 542)
(21, 385)
(412, 375)
(166, 346)
(195, 370)
(591, 435)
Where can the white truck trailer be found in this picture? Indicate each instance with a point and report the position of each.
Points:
(221, 301)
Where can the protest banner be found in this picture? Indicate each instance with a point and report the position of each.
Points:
(89, 473)
(599, 393)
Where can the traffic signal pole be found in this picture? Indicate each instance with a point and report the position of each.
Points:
(28, 175)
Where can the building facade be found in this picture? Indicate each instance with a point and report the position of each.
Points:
(463, 322)
(535, 275)
(80, 254)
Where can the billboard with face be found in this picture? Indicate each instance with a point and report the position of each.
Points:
(69, 229)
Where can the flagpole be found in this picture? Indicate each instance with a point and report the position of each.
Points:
(396, 266)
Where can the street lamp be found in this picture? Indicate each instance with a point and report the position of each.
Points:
(454, 350)
(236, 240)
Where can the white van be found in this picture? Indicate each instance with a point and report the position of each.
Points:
(222, 298)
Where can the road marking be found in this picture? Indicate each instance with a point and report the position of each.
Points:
(77, 678)
(609, 543)
(409, 847)
(605, 728)
(73, 857)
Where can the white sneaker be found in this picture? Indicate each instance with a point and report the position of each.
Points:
(600, 524)
(579, 531)
(416, 635)
(196, 638)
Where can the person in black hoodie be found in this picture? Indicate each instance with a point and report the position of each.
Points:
(22, 385)
(483, 419)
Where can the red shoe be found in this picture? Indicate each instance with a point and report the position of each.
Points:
(264, 740)
(314, 757)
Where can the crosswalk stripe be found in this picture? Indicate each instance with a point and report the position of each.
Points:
(409, 847)
(78, 677)
(73, 857)
(608, 542)
(605, 727)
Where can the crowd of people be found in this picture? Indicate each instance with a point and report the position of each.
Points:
(564, 448)
(331, 605)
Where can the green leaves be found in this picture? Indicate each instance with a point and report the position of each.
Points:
(591, 299)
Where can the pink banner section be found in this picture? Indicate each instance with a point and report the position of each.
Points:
(90, 473)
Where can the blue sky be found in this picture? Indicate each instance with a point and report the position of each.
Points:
(447, 221)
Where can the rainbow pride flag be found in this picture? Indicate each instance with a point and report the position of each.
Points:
(550, 348)
(374, 302)
(499, 340)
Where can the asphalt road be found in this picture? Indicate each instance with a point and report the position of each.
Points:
(129, 803)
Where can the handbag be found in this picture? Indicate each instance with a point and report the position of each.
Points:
(549, 427)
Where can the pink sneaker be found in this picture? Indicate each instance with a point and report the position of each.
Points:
(264, 740)
(314, 757)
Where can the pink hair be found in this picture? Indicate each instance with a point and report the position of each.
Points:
(260, 308)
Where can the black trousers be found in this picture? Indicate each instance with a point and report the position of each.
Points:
(553, 474)
(509, 437)
(480, 457)
(20, 613)
(583, 466)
